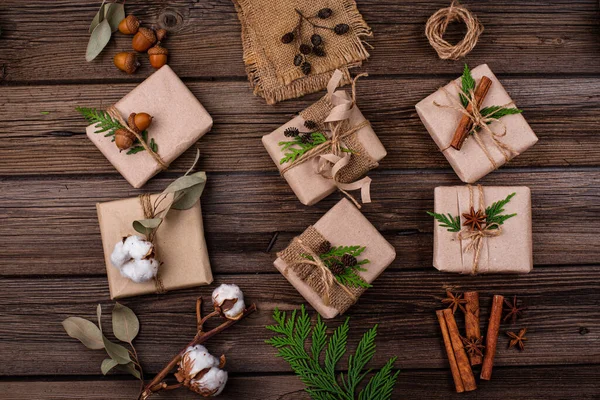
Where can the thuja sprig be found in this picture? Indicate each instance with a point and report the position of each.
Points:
(468, 86)
(493, 216)
(320, 378)
(343, 263)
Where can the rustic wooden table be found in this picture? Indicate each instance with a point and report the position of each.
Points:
(547, 54)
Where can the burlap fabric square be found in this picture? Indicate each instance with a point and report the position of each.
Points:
(270, 63)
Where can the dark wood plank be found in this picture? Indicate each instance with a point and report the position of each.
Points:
(561, 111)
(563, 320)
(551, 383)
(50, 225)
(205, 40)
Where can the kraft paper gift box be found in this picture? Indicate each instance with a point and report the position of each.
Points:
(342, 225)
(471, 162)
(309, 186)
(179, 120)
(508, 252)
(179, 243)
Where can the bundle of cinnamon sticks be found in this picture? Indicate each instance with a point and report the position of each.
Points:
(457, 347)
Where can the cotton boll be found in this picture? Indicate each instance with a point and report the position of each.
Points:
(211, 383)
(140, 270)
(229, 301)
(119, 255)
(200, 359)
(137, 247)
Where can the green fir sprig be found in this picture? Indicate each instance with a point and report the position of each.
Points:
(105, 123)
(320, 378)
(295, 148)
(493, 216)
(349, 276)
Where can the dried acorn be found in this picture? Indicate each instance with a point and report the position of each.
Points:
(143, 39)
(139, 121)
(325, 13)
(124, 139)
(340, 29)
(298, 60)
(126, 62)
(161, 35)
(316, 39)
(305, 49)
(129, 25)
(158, 56)
(287, 38)
(306, 67)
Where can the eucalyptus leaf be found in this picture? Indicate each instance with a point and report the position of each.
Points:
(98, 40)
(130, 368)
(114, 15)
(117, 352)
(125, 324)
(186, 182)
(85, 331)
(107, 365)
(190, 196)
(146, 226)
(98, 17)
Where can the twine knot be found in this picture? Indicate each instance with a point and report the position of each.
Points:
(148, 210)
(438, 23)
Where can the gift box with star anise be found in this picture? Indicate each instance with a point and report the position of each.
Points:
(480, 230)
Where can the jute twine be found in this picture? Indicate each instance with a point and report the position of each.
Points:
(477, 236)
(438, 23)
(148, 210)
(114, 113)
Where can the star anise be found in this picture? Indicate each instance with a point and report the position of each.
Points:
(475, 219)
(454, 301)
(473, 346)
(517, 340)
(513, 311)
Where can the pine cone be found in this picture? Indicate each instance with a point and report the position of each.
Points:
(337, 268)
(340, 29)
(349, 260)
(316, 39)
(298, 60)
(306, 67)
(325, 13)
(287, 38)
(324, 247)
(306, 138)
(291, 132)
(305, 49)
(319, 51)
(310, 124)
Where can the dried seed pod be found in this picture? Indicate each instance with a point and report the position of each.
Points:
(340, 29)
(124, 139)
(325, 246)
(305, 49)
(143, 39)
(337, 268)
(161, 34)
(129, 25)
(158, 56)
(287, 38)
(291, 132)
(349, 260)
(306, 67)
(298, 60)
(126, 62)
(325, 13)
(319, 51)
(316, 39)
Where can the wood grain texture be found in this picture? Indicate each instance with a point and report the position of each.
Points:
(402, 302)
(561, 111)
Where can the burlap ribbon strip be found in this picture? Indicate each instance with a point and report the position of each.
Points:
(341, 158)
(148, 210)
(315, 273)
(475, 236)
(114, 113)
(481, 122)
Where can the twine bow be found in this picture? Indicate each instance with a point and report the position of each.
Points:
(476, 236)
(327, 276)
(115, 114)
(480, 122)
(333, 154)
(148, 210)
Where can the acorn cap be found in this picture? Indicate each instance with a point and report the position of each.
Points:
(148, 34)
(161, 34)
(131, 122)
(133, 24)
(157, 50)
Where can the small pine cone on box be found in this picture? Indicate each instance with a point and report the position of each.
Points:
(337, 268)
(324, 247)
(349, 260)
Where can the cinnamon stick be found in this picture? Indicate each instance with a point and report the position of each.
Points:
(472, 322)
(491, 339)
(465, 124)
(459, 352)
(458, 383)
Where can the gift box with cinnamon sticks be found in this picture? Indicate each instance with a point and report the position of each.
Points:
(329, 146)
(475, 124)
(335, 260)
(178, 120)
(480, 230)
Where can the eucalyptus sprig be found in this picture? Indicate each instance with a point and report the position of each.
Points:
(321, 380)
(105, 22)
(125, 326)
